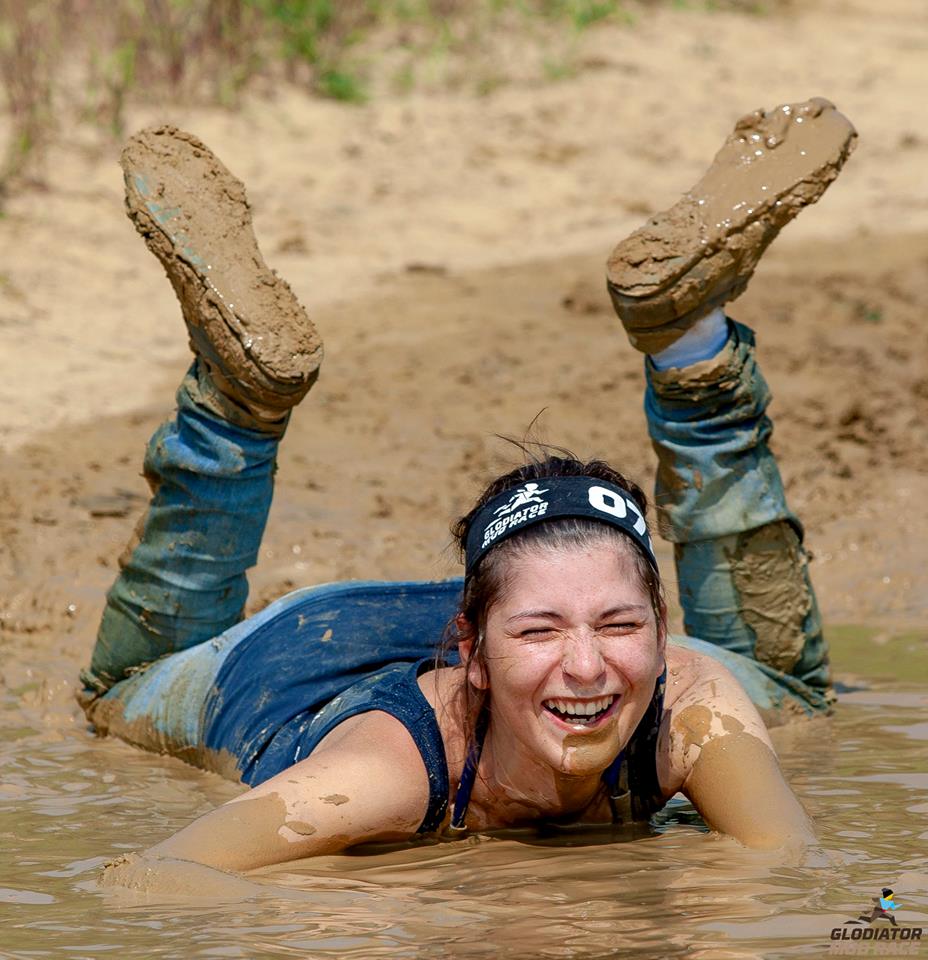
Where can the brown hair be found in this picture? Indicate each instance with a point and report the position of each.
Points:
(485, 585)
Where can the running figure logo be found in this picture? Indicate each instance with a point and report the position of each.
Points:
(529, 493)
(882, 908)
(854, 936)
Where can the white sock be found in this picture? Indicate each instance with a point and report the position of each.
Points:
(704, 339)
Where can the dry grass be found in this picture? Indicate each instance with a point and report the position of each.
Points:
(89, 58)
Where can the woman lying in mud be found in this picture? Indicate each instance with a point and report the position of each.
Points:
(568, 703)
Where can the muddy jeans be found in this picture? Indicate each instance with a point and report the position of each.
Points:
(742, 572)
(174, 613)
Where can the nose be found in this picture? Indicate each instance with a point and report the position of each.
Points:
(582, 660)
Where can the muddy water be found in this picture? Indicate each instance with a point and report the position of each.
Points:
(69, 802)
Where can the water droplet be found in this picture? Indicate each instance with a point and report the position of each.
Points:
(798, 119)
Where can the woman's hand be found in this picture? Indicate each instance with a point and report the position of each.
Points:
(168, 879)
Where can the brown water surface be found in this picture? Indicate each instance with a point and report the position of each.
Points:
(69, 802)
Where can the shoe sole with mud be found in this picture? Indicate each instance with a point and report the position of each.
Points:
(243, 319)
(702, 252)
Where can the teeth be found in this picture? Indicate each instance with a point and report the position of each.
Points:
(575, 708)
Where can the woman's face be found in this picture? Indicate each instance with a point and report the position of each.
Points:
(572, 653)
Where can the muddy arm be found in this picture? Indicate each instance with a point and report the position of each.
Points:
(718, 754)
(364, 782)
(165, 878)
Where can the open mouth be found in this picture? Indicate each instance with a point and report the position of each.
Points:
(583, 713)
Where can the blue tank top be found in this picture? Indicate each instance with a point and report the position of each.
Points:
(324, 654)
(631, 780)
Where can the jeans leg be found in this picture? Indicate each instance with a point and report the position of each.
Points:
(184, 581)
(742, 571)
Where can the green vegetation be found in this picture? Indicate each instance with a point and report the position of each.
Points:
(90, 58)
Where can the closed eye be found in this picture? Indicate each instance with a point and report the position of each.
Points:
(624, 627)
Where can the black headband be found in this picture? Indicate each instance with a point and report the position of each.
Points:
(550, 497)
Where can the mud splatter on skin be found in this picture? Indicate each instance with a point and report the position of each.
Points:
(336, 798)
(731, 724)
(301, 827)
(248, 819)
(582, 752)
(693, 725)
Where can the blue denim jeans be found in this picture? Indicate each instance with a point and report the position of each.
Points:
(174, 613)
(742, 572)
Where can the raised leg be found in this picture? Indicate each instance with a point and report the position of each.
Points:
(743, 574)
(211, 467)
(183, 581)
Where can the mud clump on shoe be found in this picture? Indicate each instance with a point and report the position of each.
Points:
(244, 321)
(702, 252)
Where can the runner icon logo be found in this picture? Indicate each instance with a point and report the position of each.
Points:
(864, 936)
(529, 493)
(525, 504)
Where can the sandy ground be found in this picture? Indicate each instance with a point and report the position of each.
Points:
(451, 248)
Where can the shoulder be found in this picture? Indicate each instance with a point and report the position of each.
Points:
(713, 747)
(703, 701)
(443, 690)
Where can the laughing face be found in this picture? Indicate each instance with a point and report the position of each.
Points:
(572, 651)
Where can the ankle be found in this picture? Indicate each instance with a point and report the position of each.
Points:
(703, 341)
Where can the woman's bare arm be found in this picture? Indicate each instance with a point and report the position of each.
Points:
(365, 781)
(718, 754)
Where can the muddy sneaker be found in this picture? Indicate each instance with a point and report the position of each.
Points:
(246, 325)
(702, 252)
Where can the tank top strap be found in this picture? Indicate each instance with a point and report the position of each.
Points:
(469, 773)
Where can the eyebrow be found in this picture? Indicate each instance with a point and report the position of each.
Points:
(554, 615)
